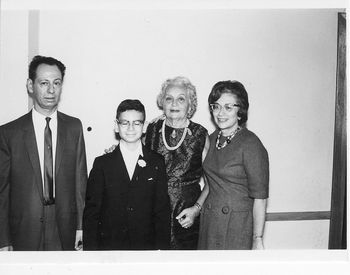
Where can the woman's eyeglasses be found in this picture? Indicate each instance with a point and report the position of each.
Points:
(216, 107)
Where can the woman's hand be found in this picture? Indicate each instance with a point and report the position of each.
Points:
(187, 216)
(111, 149)
(259, 214)
(258, 244)
(161, 117)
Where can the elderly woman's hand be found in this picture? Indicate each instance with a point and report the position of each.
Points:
(111, 149)
(187, 216)
(161, 117)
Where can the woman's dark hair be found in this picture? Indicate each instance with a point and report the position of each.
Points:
(235, 88)
(131, 104)
(38, 60)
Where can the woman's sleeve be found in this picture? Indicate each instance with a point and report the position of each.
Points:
(256, 164)
(148, 136)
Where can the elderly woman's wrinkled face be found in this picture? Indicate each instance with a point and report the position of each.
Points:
(176, 103)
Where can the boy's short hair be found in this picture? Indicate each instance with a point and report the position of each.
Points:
(131, 104)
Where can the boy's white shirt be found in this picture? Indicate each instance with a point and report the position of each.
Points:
(130, 156)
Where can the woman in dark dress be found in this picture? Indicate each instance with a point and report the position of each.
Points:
(237, 171)
(183, 144)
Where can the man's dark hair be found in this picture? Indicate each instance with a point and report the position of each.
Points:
(38, 60)
(131, 104)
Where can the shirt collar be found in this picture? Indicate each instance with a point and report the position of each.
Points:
(38, 116)
(137, 152)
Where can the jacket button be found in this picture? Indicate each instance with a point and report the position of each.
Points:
(41, 219)
(225, 210)
(208, 206)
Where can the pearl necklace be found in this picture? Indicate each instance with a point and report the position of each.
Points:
(227, 140)
(181, 140)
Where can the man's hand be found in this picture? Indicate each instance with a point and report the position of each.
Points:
(79, 240)
(6, 248)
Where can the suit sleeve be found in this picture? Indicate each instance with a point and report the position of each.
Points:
(5, 167)
(91, 217)
(162, 209)
(81, 177)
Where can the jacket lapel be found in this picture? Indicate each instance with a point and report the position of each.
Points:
(32, 149)
(61, 140)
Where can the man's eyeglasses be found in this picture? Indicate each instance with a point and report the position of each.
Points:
(126, 123)
(216, 107)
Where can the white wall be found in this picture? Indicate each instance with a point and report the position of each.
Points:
(13, 64)
(286, 59)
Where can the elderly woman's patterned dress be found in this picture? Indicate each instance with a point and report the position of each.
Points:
(184, 170)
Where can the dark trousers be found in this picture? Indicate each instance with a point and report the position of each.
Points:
(50, 239)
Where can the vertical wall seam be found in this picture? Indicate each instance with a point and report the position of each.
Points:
(33, 40)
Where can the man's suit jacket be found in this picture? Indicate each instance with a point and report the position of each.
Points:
(127, 214)
(21, 187)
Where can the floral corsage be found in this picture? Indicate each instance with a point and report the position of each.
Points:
(141, 163)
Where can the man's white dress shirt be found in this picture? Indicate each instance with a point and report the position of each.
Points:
(39, 122)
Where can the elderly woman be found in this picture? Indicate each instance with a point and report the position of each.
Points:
(237, 170)
(183, 144)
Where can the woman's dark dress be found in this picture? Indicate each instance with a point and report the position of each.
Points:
(184, 170)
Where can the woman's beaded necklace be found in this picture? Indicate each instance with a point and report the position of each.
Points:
(227, 140)
(171, 148)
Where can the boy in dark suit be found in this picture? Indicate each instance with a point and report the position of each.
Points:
(127, 204)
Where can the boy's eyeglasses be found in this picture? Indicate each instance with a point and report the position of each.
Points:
(126, 123)
(216, 107)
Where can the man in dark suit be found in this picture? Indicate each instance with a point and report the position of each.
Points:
(127, 204)
(42, 169)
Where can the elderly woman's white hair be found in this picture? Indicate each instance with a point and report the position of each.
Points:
(184, 83)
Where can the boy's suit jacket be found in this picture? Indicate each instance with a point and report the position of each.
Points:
(127, 214)
(21, 187)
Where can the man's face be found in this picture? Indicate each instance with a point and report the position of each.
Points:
(130, 124)
(46, 89)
